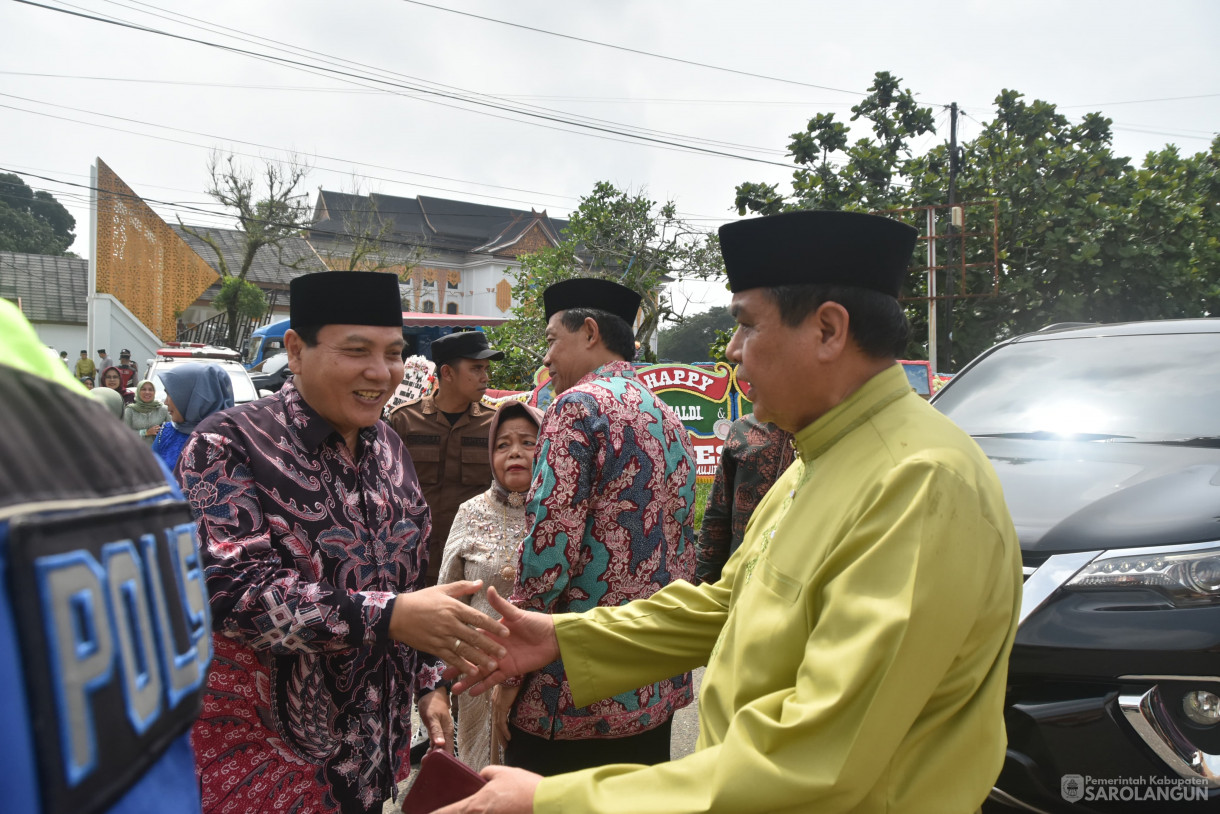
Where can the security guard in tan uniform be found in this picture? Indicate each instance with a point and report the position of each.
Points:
(446, 433)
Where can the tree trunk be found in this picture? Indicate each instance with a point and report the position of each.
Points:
(231, 313)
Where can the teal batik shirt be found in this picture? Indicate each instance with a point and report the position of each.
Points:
(610, 521)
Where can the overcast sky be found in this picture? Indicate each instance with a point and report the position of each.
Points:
(153, 107)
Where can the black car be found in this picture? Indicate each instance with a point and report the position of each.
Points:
(1107, 441)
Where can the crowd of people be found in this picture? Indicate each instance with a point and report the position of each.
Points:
(852, 593)
(200, 389)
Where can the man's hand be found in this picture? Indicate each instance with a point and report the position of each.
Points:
(531, 644)
(502, 698)
(508, 791)
(435, 621)
(437, 718)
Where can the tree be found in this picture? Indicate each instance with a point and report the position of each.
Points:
(267, 216)
(866, 177)
(693, 338)
(614, 234)
(368, 242)
(32, 222)
(1082, 234)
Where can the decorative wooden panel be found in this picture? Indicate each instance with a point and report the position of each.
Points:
(533, 240)
(504, 295)
(141, 261)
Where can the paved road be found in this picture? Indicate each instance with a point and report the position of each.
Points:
(686, 725)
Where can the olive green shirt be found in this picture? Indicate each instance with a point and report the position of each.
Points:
(856, 645)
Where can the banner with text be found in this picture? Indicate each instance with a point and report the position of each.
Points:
(707, 397)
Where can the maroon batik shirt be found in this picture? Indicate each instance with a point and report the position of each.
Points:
(305, 549)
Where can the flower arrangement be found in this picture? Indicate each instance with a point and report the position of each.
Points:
(417, 377)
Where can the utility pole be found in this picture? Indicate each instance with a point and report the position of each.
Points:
(953, 168)
(932, 287)
(952, 153)
(933, 290)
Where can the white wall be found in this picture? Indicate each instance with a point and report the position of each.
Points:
(480, 278)
(115, 328)
(62, 336)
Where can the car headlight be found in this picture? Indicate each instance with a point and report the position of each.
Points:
(1187, 574)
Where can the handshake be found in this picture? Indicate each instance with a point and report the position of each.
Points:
(480, 652)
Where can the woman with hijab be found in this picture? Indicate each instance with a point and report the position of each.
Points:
(484, 543)
(113, 380)
(192, 393)
(145, 414)
(109, 399)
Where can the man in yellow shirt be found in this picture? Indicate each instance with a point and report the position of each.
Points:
(84, 366)
(857, 642)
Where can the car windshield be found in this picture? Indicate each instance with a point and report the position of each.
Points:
(243, 388)
(1163, 387)
(271, 365)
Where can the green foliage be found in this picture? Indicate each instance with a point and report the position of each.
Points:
(863, 178)
(702, 491)
(241, 297)
(32, 222)
(614, 234)
(1082, 235)
(691, 340)
(718, 350)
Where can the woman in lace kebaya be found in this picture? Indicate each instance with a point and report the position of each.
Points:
(484, 544)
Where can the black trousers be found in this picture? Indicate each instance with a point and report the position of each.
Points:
(547, 757)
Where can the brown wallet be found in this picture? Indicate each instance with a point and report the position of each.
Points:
(442, 779)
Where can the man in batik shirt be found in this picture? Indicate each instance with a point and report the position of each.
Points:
(609, 511)
(754, 455)
(313, 530)
(857, 644)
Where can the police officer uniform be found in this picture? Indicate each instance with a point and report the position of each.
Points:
(104, 644)
(451, 459)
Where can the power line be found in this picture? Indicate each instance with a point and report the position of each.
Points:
(258, 145)
(1139, 128)
(210, 148)
(183, 83)
(26, 168)
(174, 206)
(177, 206)
(85, 198)
(244, 36)
(637, 136)
(1131, 128)
(363, 90)
(1143, 101)
(635, 50)
(296, 50)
